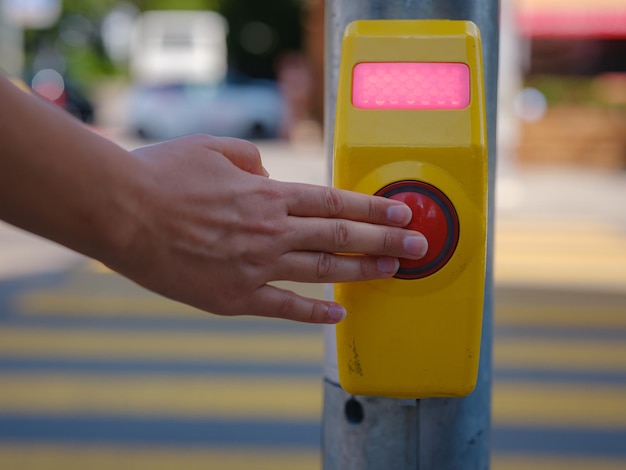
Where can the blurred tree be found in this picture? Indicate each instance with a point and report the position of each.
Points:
(260, 32)
(73, 46)
(146, 5)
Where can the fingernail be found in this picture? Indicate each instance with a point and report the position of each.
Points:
(336, 313)
(265, 172)
(388, 265)
(399, 214)
(416, 245)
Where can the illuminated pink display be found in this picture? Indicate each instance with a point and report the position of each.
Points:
(410, 85)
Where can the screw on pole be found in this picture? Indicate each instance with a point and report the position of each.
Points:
(364, 433)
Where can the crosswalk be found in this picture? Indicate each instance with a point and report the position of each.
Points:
(561, 252)
(98, 373)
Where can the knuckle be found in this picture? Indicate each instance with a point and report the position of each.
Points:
(389, 241)
(372, 210)
(200, 139)
(367, 269)
(332, 202)
(324, 265)
(251, 149)
(342, 235)
(318, 313)
(287, 305)
(271, 192)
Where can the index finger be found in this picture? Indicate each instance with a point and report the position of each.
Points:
(306, 200)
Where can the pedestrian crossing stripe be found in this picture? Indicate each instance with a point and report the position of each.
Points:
(279, 398)
(134, 301)
(106, 457)
(228, 397)
(526, 462)
(566, 354)
(572, 317)
(163, 345)
(560, 253)
(570, 354)
(148, 306)
(589, 406)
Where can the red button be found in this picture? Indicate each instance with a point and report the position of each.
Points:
(435, 217)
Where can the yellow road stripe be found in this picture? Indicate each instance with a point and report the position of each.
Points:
(226, 347)
(580, 238)
(140, 303)
(135, 301)
(191, 397)
(76, 303)
(59, 457)
(603, 317)
(529, 462)
(606, 276)
(267, 397)
(584, 405)
(566, 226)
(582, 245)
(563, 354)
(540, 252)
(544, 354)
(152, 306)
(35, 457)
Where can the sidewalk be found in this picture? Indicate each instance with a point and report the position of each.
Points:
(562, 228)
(23, 254)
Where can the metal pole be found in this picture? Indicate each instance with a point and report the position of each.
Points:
(365, 433)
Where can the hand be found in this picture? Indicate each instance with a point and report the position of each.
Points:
(212, 230)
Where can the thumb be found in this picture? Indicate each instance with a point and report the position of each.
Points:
(243, 154)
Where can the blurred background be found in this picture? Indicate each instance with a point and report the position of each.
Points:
(98, 373)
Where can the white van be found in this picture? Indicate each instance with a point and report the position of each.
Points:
(170, 47)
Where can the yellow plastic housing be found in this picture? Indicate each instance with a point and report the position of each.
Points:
(415, 338)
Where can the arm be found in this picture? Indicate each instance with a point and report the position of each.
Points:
(194, 219)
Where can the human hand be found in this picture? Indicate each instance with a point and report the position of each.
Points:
(211, 230)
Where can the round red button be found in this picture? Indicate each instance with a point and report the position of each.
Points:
(435, 217)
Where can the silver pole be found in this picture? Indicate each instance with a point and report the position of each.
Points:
(376, 433)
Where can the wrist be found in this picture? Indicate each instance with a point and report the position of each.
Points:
(123, 218)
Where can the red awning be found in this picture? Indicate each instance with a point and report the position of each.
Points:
(572, 18)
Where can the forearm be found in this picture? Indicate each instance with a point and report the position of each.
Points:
(60, 180)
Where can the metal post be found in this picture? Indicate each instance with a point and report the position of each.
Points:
(375, 433)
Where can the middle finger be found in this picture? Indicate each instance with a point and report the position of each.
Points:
(346, 236)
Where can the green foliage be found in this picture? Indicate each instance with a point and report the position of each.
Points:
(281, 19)
(94, 9)
(73, 44)
(146, 5)
(570, 90)
(260, 32)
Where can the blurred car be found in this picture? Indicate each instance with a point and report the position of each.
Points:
(251, 109)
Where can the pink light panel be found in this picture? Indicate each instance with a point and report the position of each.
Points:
(410, 85)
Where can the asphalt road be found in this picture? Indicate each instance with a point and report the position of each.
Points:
(98, 373)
